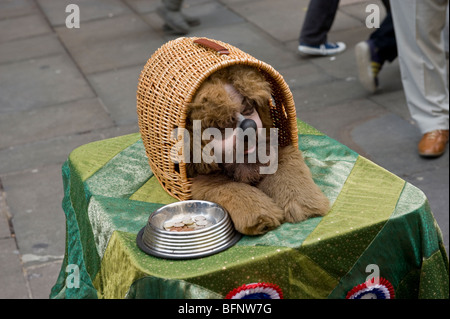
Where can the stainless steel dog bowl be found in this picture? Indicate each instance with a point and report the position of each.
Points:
(218, 234)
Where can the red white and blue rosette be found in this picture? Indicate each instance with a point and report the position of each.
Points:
(377, 288)
(260, 290)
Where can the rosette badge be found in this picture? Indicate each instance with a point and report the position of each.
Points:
(260, 290)
(377, 288)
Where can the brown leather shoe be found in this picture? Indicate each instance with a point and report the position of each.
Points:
(433, 143)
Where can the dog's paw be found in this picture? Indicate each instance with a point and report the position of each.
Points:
(250, 209)
(296, 210)
(259, 222)
(293, 189)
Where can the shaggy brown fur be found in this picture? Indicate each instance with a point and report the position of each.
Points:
(256, 203)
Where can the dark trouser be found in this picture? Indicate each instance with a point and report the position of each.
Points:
(384, 37)
(318, 21)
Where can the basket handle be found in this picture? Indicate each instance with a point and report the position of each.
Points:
(212, 45)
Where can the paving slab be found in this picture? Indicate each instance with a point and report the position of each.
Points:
(304, 74)
(55, 150)
(41, 82)
(28, 48)
(281, 19)
(326, 94)
(117, 90)
(22, 27)
(284, 20)
(16, 8)
(110, 43)
(5, 231)
(4, 226)
(12, 281)
(52, 121)
(338, 121)
(146, 6)
(392, 143)
(55, 10)
(393, 101)
(343, 65)
(210, 14)
(231, 2)
(35, 204)
(156, 23)
(41, 278)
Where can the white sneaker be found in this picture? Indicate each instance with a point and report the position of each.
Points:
(323, 49)
(369, 65)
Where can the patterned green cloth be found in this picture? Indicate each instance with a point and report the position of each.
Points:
(376, 219)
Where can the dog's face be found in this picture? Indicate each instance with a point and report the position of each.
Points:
(231, 110)
(231, 135)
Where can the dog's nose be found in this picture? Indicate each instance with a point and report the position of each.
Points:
(248, 123)
(249, 137)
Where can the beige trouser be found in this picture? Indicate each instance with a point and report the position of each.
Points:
(418, 27)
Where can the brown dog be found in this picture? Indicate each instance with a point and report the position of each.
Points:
(238, 96)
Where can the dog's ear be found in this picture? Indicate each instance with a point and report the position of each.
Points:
(213, 106)
(264, 114)
(196, 145)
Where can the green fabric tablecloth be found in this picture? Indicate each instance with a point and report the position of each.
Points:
(376, 218)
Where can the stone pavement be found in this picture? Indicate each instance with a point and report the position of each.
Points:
(61, 88)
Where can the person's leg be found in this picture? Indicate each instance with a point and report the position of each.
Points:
(371, 54)
(175, 20)
(418, 26)
(384, 41)
(318, 21)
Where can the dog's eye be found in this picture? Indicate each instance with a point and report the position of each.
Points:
(248, 110)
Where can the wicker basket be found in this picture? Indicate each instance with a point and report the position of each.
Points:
(168, 83)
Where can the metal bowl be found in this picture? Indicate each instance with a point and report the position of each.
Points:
(218, 235)
(214, 214)
(195, 239)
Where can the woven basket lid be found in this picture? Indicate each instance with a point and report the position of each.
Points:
(168, 83)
